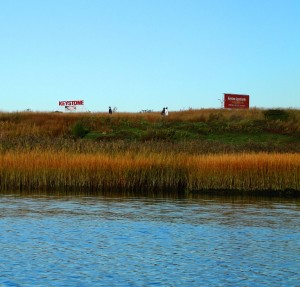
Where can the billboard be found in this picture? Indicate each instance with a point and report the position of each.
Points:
(71, 103)
(236, 101)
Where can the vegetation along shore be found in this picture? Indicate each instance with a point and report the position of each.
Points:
(209, 150)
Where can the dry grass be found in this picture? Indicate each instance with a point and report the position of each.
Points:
(259, 171)
(38, 170)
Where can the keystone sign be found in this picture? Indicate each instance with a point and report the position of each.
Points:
(235, 101)
(71, 103)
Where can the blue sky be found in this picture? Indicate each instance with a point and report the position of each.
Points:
(147, 54)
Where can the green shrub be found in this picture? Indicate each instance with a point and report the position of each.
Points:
(158, 134)
(79, 130)
(276, 114)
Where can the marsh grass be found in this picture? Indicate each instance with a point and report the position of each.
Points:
(39, 170)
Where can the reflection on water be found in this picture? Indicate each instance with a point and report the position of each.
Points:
(124, 241)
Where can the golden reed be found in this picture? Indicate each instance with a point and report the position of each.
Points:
(50, 170)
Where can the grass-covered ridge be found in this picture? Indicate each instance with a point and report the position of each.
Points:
(197, 130)
(197, 150)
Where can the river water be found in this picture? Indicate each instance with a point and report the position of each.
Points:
(143, 241)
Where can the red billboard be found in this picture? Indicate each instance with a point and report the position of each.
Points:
(235, 101)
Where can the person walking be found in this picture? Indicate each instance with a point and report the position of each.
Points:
(166, 111)
(110, 111)
(163, 111)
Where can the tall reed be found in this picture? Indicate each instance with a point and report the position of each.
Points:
(37, 170)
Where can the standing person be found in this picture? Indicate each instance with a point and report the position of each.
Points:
(163, 111)
(166, 111)
(110, 110)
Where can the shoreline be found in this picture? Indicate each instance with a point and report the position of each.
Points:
(204, 151)
(191, 194)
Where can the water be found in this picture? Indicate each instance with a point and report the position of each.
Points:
(122, 241)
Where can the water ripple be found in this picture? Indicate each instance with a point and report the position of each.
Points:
(100, 241)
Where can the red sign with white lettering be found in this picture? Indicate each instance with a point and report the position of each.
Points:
(235, 101)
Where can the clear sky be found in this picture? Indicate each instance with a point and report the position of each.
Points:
(148, 54)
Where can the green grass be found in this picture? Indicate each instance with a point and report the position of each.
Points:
(240, 135)
(242, 138)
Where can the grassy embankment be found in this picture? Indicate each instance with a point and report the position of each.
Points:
(198, 150)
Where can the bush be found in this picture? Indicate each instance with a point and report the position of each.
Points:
(159, 134)
(281, 115)
(79, 130)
